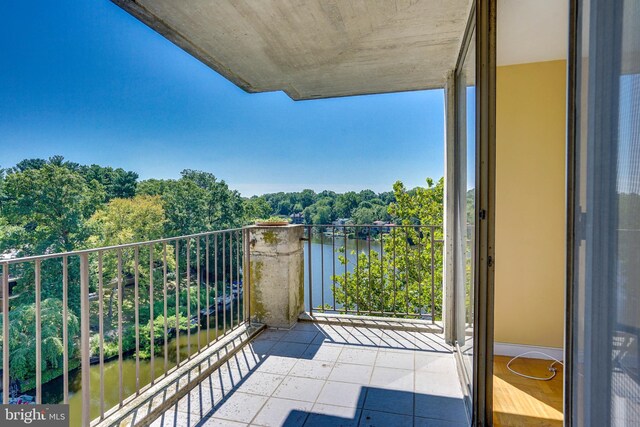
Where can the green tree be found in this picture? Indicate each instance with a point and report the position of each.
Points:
(185, 207)
(322, 215)
(117, 183)
(420, 205)
(27, 164)
(153, 187)
(158, 333)
(123, 221)
(399, 280)
(345, 204)
(196, 202)
(45, 210)
(368, 212)
(366, 195)
(256, 208)
(306, 198)
(22, 337)
(50, 205)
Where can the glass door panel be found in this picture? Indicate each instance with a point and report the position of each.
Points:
(465, 208)
(604, 328)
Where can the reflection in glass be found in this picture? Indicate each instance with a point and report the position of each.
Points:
(606, 283)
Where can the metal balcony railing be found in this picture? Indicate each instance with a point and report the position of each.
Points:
(375, 270)
(198, 278)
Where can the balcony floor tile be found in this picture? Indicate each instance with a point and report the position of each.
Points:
(395, 359)
(395, 379)
(392, 401)
(358, 355)
(437, 384)
(277, 365)
(241, 407)
(342, 394)
(279, 412)
(303, 337)
(377, 419)
(428, 362)
(288, 349)
(345, 372)
(316, 369)
(328, 375)
(330, 416)
(440, 407)
(261, 383)
(305, 389)
(325, 353)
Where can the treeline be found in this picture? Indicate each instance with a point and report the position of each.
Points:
(362, 207)
(54, 205)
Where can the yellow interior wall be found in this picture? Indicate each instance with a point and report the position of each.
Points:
(530, 203)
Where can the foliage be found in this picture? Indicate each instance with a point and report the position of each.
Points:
(122, 221)
(50, 206)
(117, 183)
(256, 207)
(399, 279)
(22, 337)
(274, 219)
(368, 212)
(320, 212)
(45, 210)
(158, 333)
(421, 205)
(327, 206)
(196, 202)
(127, 220)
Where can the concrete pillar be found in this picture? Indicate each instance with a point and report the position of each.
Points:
(276, 270)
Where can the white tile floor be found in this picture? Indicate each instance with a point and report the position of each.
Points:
(327, 375)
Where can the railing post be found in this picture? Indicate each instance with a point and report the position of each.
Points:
(38, 279)
(246, 276)
(433, 282)
(310, 262)
(84, 339)
(5, 333)
(65, 330)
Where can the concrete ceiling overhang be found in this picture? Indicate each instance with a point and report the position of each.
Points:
(315, 48)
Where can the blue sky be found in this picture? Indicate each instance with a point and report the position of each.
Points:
(86, 80)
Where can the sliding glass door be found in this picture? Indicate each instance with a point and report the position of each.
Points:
(603, 336)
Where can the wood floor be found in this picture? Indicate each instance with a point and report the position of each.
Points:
(519, 401)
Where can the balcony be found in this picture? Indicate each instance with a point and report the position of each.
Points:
(294, 325)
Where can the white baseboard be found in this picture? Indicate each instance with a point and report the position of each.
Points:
(507, 349)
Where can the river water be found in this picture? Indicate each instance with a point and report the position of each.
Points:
(325, 265)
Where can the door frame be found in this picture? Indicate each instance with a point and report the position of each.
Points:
(570, 211)
(485, 211)
(482, 20)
